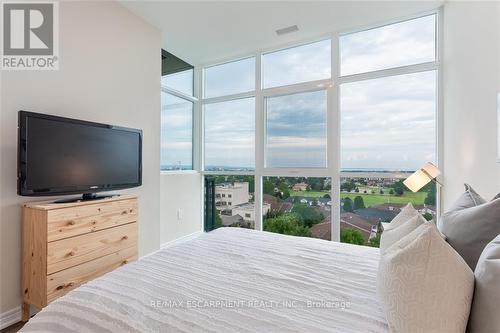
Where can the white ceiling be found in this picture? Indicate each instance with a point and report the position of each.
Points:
(204, 32)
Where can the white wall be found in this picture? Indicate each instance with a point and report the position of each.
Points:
(180, 191)
(109, 72)
(471, 83)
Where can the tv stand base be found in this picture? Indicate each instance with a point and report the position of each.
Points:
(87, 197)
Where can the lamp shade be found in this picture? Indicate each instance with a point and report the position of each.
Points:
(422, 177)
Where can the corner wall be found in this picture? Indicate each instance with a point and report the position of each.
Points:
(471, 82)
(180, 192)
(109, 72)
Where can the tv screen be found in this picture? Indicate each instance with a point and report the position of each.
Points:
(68, 156)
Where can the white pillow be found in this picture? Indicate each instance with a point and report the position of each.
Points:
(406, 213)
(391, 236)
(424, 285)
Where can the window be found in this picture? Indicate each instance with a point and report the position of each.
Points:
(298, 206)
(361, 129)
(297, 64)
(239, 211)
(389, 123)
(374, 198)
(401, 44)
(180, 81)
(230, 135)
(230, 78)
(176, 133)
(296, 130)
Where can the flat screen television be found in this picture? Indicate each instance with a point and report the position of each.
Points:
(62, 156)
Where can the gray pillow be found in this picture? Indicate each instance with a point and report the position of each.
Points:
(484, 312)
(468, 230)
(468, 199)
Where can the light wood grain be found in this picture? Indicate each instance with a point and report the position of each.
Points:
(50, 205)
(65, 245)
(61, 282)
(34, 260)
(76, 250)
(73, 221)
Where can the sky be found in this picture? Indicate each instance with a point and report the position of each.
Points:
(386, 123)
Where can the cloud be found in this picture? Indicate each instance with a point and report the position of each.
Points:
(230, 133)
(387, 123)
(395, 45)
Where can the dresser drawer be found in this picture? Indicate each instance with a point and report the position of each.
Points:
(68, 222)
(61, 282)
(69, 252)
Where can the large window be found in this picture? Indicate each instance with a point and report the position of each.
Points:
(298, 206)
(177, 109)
(230, 135)
(298, 64)
(181, 82)
(230, 78)
(394, 45)
(327, 136)
(296, 130)
(176, 133)
(387, 124)
(234, 201)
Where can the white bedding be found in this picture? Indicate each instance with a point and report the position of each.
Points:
(229, 280)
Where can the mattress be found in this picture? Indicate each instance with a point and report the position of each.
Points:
(229, 280)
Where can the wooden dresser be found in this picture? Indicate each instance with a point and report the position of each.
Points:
(65, 245)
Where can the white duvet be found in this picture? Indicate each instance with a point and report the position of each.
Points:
(229, 280)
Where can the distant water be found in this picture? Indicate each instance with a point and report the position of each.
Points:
(245, 168)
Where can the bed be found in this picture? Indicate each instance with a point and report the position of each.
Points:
(229, 280)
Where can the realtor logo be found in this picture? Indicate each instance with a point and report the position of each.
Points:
(29, 36)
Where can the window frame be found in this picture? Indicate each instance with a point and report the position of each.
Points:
(332, 87)
(194, 128)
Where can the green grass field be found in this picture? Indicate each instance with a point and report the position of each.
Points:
(371, 199)
(308, 194)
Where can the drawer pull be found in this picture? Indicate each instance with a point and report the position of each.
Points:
(125, 237)
(72, 253)
(124, 262)
(124, 212)
(71, 223)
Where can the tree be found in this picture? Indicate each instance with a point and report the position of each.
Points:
(375, 241)
(381, 191)
(285, 192)
(348, 186)
(348, 205)
(268, 187)
(430, 199)
(327, 196)
(310, 215)
(359, 203)
(352, 236)
(428, 216)
(391, 191)
(218, 220)
(316, 184)
(287, 224)
(399, 188)
(356, 190)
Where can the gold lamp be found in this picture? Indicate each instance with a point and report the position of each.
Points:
(429, 172)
